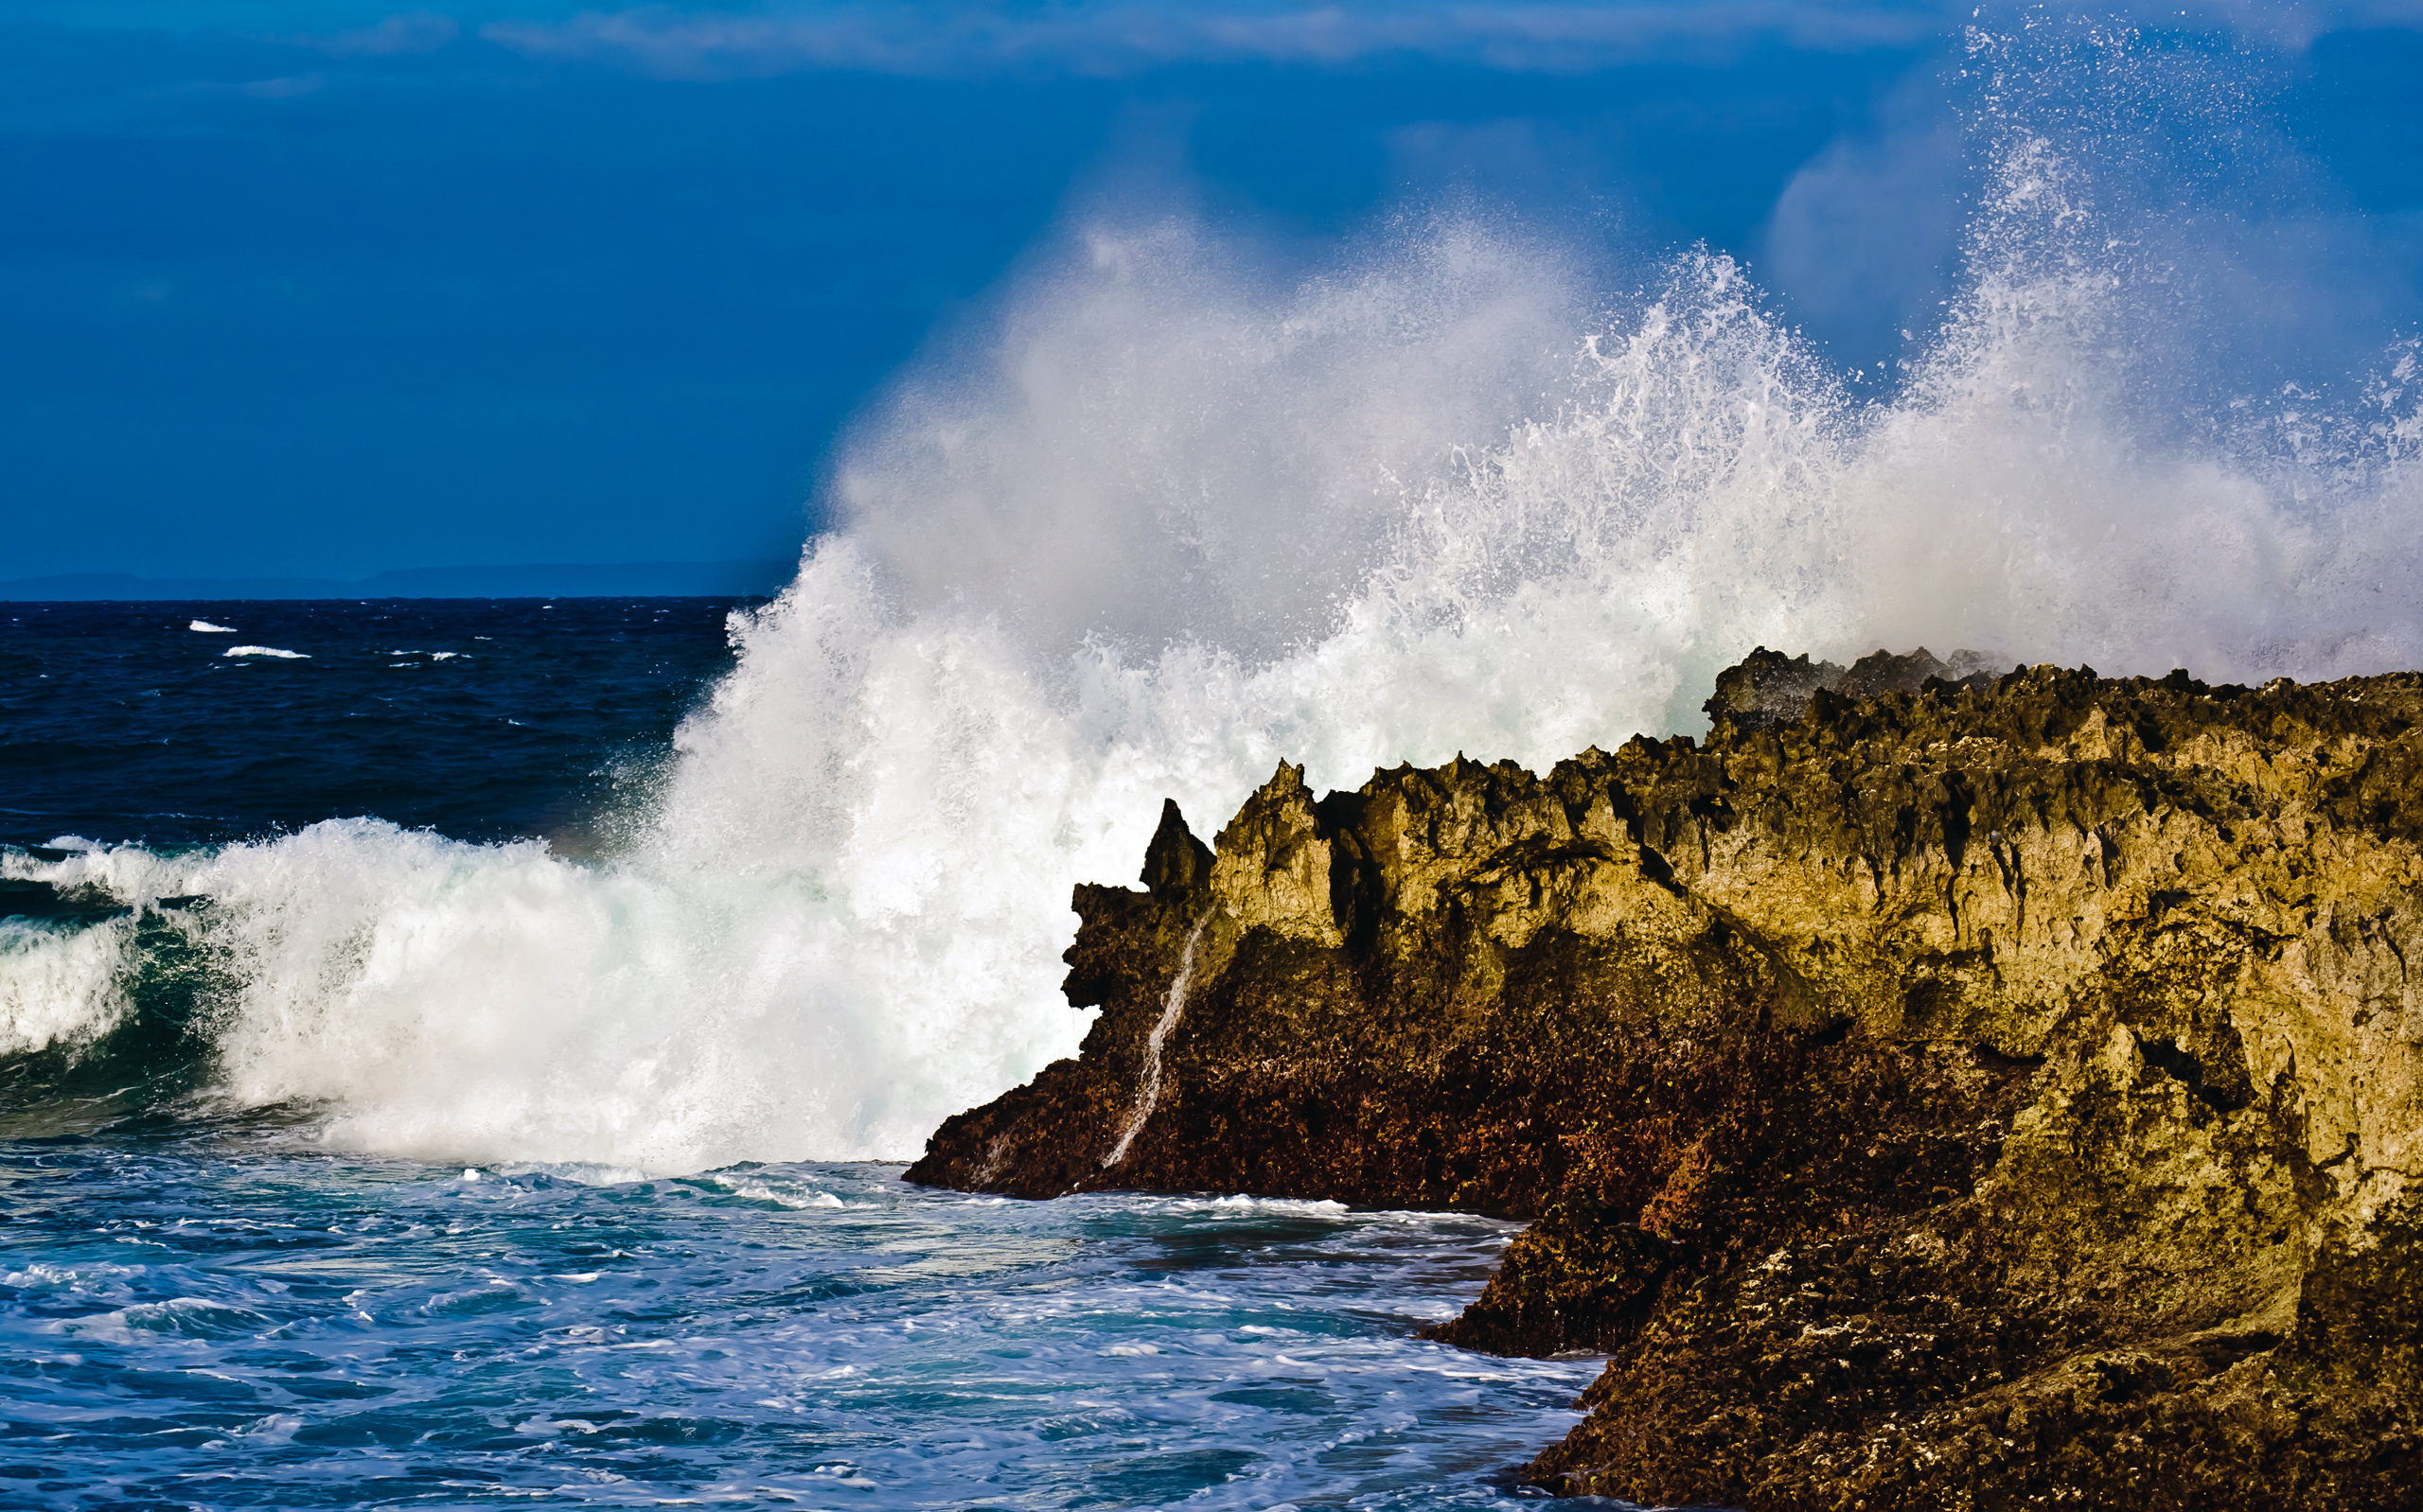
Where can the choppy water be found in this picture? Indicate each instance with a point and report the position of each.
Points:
(221, 1316)
(484, 718)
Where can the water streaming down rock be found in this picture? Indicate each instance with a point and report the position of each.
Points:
(1149, 1092)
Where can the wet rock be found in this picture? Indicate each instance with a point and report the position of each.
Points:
(1769, 688)
(1936, 1090)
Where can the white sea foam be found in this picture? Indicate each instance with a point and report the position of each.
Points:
(266, 651)
(781, 1193)
(61, 988)
(93, 1279)
(1164, 525)
(187, 1317)
(205, 628)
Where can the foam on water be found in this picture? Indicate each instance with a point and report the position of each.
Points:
(228, 1320)
(1166, 523)
(59, 985)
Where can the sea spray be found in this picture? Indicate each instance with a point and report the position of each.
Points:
(61, 988)
(1165, 526)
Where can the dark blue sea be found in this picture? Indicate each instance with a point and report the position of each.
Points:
(484, 718)
(348, 1155)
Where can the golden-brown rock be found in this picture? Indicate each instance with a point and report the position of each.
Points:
(1990, 1094)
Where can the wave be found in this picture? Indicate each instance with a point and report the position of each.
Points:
(1165, 522)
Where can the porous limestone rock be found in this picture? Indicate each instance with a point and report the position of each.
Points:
(1934, 1091)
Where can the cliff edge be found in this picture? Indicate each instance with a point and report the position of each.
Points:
(1934, 1091)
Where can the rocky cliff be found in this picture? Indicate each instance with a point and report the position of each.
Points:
(1932, 1091)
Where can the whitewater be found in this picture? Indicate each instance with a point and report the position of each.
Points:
(1166, 518)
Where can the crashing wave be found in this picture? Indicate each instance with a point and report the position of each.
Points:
(1165, 526)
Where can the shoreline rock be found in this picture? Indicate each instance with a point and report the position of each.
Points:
(1936, 1090)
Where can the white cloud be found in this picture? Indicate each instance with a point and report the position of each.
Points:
(1867, 230)
(1122, 38)
(291, 87)
(417, 31)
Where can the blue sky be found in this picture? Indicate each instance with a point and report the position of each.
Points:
(331, 287)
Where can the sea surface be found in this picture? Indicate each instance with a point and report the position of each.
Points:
(209, 1299)
(483, 718)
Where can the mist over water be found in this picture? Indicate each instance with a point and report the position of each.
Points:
(1168, 519)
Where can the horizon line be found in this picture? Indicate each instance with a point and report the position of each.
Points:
(738, 577)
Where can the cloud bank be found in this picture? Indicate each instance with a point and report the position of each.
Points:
(1119, 38)
(416, 31)
(1124, 37)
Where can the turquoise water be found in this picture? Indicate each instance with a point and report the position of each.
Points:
(203, 1314)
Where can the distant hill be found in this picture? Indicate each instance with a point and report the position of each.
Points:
(760, 579)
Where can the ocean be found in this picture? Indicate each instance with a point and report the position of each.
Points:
(205, 1301)
(463, 1053)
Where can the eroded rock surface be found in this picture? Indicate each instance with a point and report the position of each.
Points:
(1979, 1093)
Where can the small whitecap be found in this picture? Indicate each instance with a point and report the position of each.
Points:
(1287, 1204)
(205, 628)
(185, 1317)
(265, 651)
(844, 1474)
(586, 1173)
(277, 1428)
(42, 1276)
(758, 1191)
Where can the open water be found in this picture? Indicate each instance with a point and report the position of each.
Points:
(428, 1033)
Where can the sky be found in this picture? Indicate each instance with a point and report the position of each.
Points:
(334, 287)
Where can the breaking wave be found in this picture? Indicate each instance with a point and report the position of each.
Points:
(1165, 522)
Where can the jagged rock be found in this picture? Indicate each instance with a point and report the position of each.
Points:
(1959, 1092)
(1769, 688)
